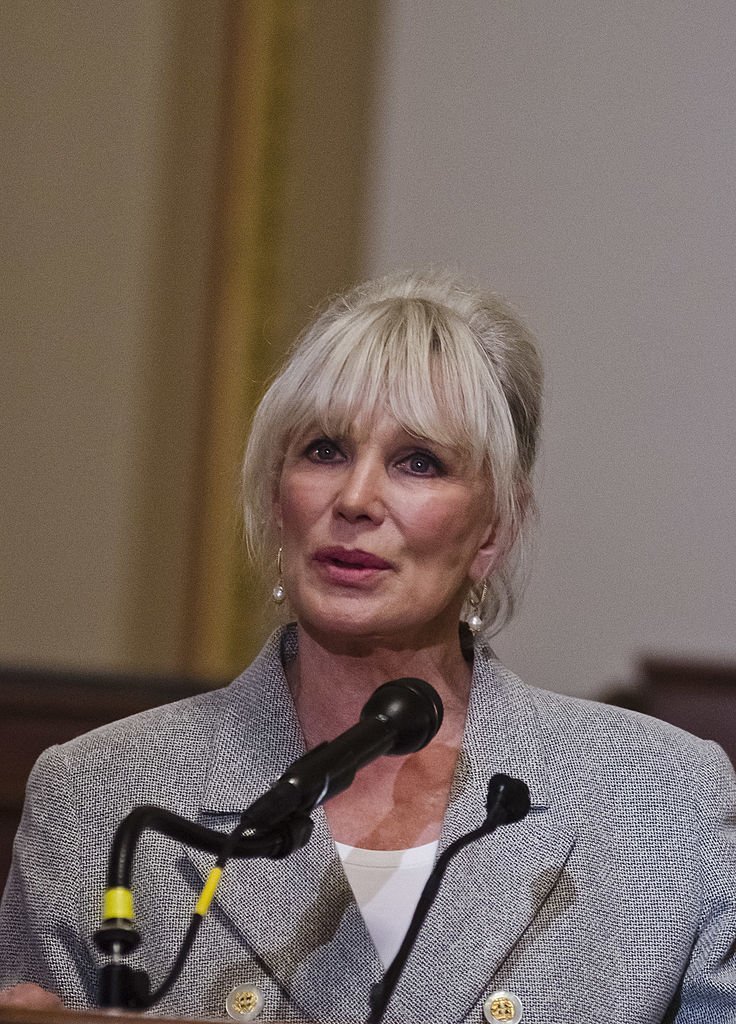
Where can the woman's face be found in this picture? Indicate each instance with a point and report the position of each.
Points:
(382, 535)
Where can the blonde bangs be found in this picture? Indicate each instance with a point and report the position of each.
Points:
(403, 357)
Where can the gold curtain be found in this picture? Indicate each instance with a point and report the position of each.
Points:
(295, 146)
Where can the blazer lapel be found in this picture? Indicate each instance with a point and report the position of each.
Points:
(494, 888)
(297, 915)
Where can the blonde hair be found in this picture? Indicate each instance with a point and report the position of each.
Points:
(451, 363)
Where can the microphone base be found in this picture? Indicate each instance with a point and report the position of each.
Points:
(122, 988)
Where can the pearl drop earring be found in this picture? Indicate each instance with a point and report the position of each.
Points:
(279, 593)
(475, 622)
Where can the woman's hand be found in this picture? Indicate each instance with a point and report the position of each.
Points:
(31, 996)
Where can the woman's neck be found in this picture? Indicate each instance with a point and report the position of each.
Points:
(331, 686)
(394, 802)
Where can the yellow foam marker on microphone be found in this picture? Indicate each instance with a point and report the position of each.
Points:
(207, 894)
(118, 903)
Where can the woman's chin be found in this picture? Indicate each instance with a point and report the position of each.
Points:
(372, 632)
(384, 620)
(347, 626)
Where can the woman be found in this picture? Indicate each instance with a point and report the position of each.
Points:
(387, 483)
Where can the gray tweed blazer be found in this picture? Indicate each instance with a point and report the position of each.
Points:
(614, 900)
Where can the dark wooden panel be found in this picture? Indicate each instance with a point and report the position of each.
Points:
(698, 695)
(21, 1015)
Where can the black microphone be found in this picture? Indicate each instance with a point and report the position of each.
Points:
(507, 802)
(400, 718)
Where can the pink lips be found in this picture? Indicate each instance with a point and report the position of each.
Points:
(350, 558)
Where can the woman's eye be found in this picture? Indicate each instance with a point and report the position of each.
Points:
(421, 464)
(323, 450)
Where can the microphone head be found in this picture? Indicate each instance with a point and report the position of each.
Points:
(411, 708)
(510, 796)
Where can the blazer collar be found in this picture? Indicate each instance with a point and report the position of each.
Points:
(259, 734)
(299, 915)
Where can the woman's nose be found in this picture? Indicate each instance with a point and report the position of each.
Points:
(361, 494)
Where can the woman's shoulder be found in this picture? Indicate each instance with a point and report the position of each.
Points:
(609, 736)
(172, 742)
(170, 725)
(178, 724)
(149, 757)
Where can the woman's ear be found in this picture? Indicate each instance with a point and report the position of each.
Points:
(489, 555)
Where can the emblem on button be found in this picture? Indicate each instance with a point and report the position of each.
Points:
(244, 1002)
(503, 1006)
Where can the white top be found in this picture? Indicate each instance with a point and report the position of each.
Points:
(387, 885)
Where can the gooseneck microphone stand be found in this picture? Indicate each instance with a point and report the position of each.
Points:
(122, 987)
(401, 717)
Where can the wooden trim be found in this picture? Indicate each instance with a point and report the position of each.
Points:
(236, 362)
(294, 158)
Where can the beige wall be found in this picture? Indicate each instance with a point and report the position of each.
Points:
(577, 155)
(580, 157)
(109, 125)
